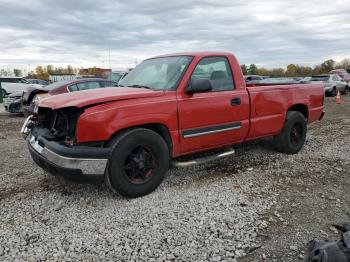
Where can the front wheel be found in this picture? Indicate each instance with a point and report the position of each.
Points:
(293, 135)
(139, 161)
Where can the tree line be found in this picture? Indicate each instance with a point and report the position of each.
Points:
(293, 70)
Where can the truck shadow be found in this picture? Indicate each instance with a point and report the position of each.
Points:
(253, 154)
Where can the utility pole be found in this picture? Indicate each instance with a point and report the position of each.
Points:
(109, 58)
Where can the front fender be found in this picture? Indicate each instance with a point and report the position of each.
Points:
(100, 123)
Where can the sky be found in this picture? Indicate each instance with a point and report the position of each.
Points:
(270, 33)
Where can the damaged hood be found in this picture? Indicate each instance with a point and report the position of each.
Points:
(96, 96)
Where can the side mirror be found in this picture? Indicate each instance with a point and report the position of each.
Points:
(199, 86)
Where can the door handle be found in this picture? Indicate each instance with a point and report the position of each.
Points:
(235, 102)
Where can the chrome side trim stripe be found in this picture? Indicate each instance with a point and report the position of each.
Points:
(211, 130)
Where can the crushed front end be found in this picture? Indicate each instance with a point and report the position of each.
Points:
(51, 139)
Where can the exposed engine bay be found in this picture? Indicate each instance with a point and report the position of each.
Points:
(60, 123)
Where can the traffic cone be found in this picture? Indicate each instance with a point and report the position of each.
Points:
(338, 99)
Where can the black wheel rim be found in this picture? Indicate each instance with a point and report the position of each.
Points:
(139, 165)
(296, 134)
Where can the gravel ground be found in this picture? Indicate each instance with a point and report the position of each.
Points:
(256, 205)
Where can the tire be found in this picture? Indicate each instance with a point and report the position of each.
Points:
(293, 135)
(334, 92)
(138, 163)
(346, 91)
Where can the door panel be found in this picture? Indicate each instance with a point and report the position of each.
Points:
(215, 118)
(209, 120)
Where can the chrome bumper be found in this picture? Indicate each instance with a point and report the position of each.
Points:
(27, 125)
(87, 166)
(49, 160)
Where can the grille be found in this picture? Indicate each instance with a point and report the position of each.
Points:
(61, 122)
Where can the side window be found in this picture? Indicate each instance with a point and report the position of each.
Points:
(73, 88)
(88, 85)
(217, 70)
(107, 83)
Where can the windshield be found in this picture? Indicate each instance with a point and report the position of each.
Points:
(162, 73)
(320, 78)
(115, 76)
(56, 84)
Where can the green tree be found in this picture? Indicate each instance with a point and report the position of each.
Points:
(50, 69)
(17, 72)
(304, 71)
(244, 69)
(344, 64)
(327, 65)
(291, 70)
(41, 73)
(253, 69)
(263, 72)
(277, 72)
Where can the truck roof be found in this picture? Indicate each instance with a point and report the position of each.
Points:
(198, 53)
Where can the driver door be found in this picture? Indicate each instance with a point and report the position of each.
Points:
(215, 118)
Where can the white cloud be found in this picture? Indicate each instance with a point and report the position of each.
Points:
(79, 33)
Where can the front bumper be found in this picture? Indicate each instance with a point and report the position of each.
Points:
(12, 107)
(59, 159)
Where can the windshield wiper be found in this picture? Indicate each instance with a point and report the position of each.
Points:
(140, 86)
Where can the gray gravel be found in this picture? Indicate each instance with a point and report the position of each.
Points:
(202, 213)
(218, 211)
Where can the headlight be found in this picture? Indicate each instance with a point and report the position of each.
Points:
(39, 97)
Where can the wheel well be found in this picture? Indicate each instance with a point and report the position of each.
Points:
(300, 108)
(160, 129)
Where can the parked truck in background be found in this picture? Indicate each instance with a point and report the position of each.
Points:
(167, 107)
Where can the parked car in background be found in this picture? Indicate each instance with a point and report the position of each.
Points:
(33, 94)
(306, 79)
(250, 78)
(332, 83)
(342, 73)
(117, 75)
(13, 102)
(10, 84)
(274, 81)
(38, 81)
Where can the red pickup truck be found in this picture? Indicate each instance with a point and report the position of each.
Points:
(167, 107)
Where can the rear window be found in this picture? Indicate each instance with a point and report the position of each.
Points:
(56, 85)
(320, 78)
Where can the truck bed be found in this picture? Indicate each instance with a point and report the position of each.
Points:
(269, 104)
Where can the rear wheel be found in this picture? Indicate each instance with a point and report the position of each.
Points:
(293, 135)
(346, 91)
(139, 161)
